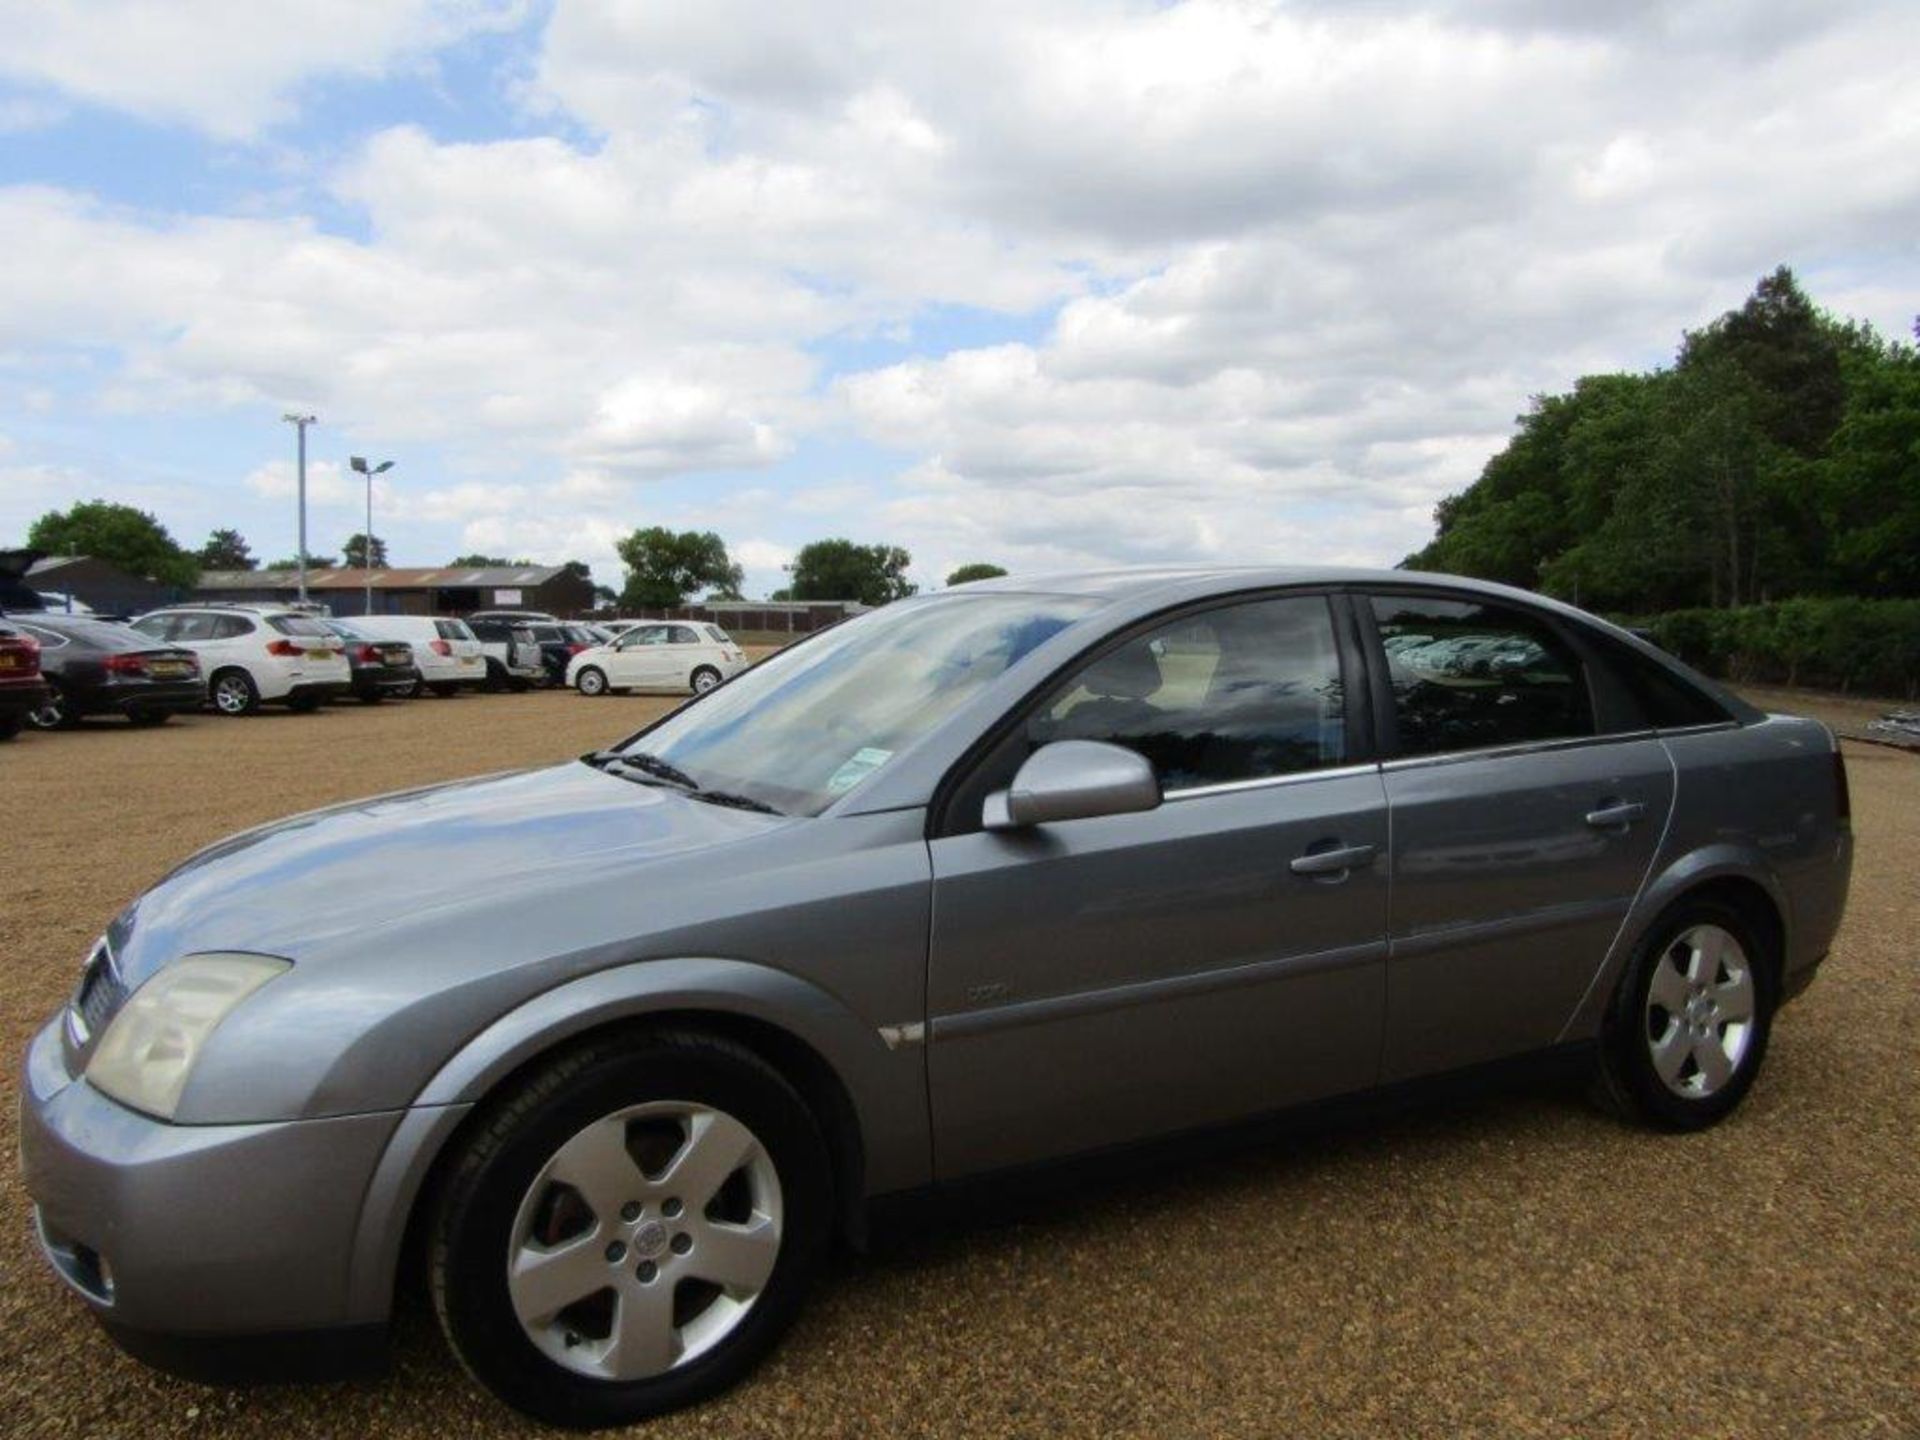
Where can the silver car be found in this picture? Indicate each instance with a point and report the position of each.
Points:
(1023, 871)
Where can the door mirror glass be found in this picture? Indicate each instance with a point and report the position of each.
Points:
(1074, 780)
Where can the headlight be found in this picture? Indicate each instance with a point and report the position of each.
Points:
(148, 1052)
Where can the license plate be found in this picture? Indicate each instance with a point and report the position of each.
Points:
(169, 669)
(469, 659)
(320, 654)
(11, 662)
(397, 657)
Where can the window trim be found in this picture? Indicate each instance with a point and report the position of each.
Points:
(1362, 754)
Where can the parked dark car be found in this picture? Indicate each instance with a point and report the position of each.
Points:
(99, 667)
(22, 691)
(560, 642)
(382, 669)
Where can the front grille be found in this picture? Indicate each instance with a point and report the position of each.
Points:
(100, 995)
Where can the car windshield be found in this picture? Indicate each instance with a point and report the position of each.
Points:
(801, 729)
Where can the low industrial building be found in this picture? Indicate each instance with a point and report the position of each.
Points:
(449, 590)
(96, 585)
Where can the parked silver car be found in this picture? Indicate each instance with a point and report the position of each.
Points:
(1021, 871)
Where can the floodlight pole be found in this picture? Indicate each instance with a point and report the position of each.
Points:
(300, 423)
(359, 462)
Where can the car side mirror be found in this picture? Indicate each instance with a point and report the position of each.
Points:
(1073, 780)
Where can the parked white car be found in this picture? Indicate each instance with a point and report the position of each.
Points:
(445, 652)
(671, 655)
(254, 655)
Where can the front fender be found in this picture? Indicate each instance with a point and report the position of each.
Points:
(886, 1086)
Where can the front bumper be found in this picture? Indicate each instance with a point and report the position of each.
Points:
(188, 1232)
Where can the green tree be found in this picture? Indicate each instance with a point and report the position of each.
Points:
(354, 551)
(226, 550)
(841, 570)
(978, 570)
(118, 534)
(314, 562)
(480, 562)
(664, 568)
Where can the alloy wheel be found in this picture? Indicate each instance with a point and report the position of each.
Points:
(50, 716)
(232, 695)
(1700, 1011)
(645, 1240)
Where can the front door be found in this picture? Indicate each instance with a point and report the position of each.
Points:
(1098, 981)
(637, 657)
(1520, 835)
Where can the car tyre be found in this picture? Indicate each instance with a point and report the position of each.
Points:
(1688, 1027)
(591, 682)
(506, 1198)
(233, 692)
(704, 679)
(56, 714)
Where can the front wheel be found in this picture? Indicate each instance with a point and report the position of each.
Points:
(632, 1229)
(233, 693)
(1689, 1025)
(56, 714)
(591, 682)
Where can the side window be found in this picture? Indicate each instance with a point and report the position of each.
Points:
(231, 627)
(1666, 701)
(46, 639)
(193, 628)
(1244, 692)
(158, 627)
(1467, 675)
(683, 635)
(643, 635)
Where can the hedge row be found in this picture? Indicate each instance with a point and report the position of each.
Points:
(1843, 644)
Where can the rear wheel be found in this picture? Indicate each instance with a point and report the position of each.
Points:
(631, 1230)
(1690, 1022)
(591, 681)
(704, 679)
(233, 693)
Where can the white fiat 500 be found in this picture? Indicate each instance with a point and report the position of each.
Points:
(670, 655)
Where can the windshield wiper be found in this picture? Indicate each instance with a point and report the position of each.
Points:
(733, 801)
(646, 764)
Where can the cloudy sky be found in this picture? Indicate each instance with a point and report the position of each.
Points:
(1046, 283)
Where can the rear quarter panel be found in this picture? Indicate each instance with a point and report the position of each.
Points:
(1755, 801)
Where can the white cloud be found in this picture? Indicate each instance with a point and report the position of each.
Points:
(228, 67)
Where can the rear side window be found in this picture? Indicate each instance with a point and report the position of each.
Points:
(203, 627)
(158, 627)
(452, 630)
(1245, 692)
(292, 625)
(1666, 701)
(683, 635)
(1466, 675)
(717, 635)
(490, 631)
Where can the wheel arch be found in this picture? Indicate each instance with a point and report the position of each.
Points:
(1732, 874)
(401, 1195)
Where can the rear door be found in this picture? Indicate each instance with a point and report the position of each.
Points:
(1525, 819)
(1097, 981)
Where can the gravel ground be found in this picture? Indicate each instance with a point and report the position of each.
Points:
(1518, 1266)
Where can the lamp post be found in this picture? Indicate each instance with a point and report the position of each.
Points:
(300, 423)
(359, 463)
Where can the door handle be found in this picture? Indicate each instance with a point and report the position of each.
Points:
(1617, 816)
(1332, 862)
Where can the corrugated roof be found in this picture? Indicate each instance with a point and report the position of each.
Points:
(338, 578)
